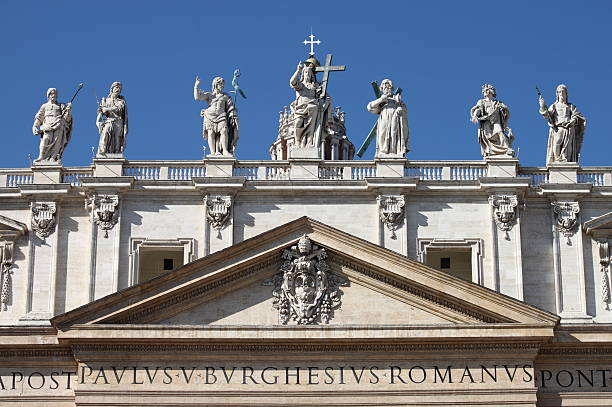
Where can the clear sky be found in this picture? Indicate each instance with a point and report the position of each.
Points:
(439, 52)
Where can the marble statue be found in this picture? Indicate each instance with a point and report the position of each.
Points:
(392, 124)
(306, 106)
(494, 135)
(567, 128)
(221, 124)
(53, 123)
(112, 122)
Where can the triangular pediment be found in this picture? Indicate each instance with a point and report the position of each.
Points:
(376, 287)
(11, 229)
(600, 226)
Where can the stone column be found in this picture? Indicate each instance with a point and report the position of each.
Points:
(42, 267)
(506, 228)
(104, 218)
(569, 261)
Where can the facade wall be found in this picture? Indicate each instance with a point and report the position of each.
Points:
(80, 261)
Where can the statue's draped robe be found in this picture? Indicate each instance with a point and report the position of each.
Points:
(306, 107)
(55, 121)
(391, 127)
(114, 127)
(494, 136)
(564, 144)
(220, 113)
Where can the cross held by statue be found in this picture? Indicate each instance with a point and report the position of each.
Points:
(326, 69)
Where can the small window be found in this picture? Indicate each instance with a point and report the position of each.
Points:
(154, 262)
(457, 262)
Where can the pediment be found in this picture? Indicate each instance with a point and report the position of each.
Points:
(11, 229)
(600, 226)
(238, 287)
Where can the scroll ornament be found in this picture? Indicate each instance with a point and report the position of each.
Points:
(43, 218)
(391, 211)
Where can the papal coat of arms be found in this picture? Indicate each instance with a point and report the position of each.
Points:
(305, 291)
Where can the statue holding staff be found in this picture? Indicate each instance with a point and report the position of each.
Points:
(112, 122)
(221, 124)
(53, 122)
(567, 128)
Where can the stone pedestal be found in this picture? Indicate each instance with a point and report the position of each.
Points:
(502, 166)
(390, 167)
(304, 168)
(563, 173)
(47, 174)
(218, 166)
(108, 167)
(311, 153)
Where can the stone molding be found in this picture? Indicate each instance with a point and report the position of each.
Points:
(163, 306)
(473, 316)
(391, 211)
(43, 218)
(105, 209)
(319, 348)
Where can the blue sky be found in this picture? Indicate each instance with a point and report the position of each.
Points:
(439, 52)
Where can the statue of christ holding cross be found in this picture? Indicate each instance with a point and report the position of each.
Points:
(311, 108)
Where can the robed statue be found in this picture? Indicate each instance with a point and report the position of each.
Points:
(221, 124)
(53, 122)
(112, 122)
(494, 135)
(567, 128)
(307, 106)
(392, 125)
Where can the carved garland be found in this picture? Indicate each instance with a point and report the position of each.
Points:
(105, 211)
(305, 291)
(6, 263)
(391, 211)
(604, 262)
(43, 218)
(566, 217)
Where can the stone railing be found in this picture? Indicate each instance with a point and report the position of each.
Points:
(73, 175)
(538, 175)
(12, 177)
(271, 170)
(446, 170)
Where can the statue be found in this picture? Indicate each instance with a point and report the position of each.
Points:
(567, 128)
(306, 106)
(494, 135)
(53, 123)
(112, 122)
(221, 125)
(392, 124)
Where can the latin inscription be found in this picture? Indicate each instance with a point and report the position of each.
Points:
(596, 379)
